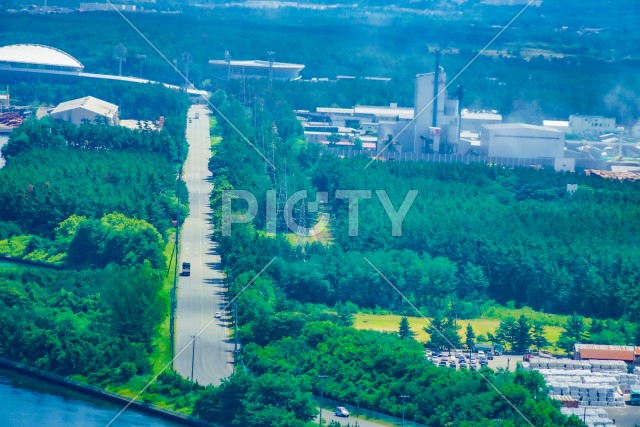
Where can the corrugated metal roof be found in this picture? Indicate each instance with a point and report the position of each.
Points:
(602, 354)
(38, 54)
(90, 103)
(475, 115)
(509, 126)
(563, 398)
(580, 346)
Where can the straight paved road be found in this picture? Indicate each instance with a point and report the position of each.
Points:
(201, 294)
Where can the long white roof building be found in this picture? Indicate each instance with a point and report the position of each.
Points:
(38, 55)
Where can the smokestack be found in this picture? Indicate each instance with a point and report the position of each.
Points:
(436, 79)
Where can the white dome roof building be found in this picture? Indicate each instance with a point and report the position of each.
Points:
(35, 56)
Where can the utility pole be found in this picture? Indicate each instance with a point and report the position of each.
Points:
(193, 353)
(235, 335)
(404, 397)
(227, 58)
(186, 59)
(235, 326)
(120, 53)
(270, 54)
(141, 58)
(322, 378)
(235, 360)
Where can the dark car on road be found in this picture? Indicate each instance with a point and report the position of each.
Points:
(186, 269)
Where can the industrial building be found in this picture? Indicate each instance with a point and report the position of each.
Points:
(591, 125)
(561, 125)
(34, 57)
(472, 121)
(86, 110)
(635, 130)
(435, 125)
(521, 141)
(226, 69)
(107, 7)
(626, 353)
(28, 62)
(5, 99)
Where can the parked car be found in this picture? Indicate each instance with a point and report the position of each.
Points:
(341, 411)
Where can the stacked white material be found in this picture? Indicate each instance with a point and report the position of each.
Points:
(636, 370)
(594, 417)
(608, 366)
(590, 389)
(629, 381)
(565, 364)
(606, 380)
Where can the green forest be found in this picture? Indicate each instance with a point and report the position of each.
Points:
(544, 65)
(295, 319)
(95, 206)
(97, 203)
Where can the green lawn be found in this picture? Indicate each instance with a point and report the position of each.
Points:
(391, 323)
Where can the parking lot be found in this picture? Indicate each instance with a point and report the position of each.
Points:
(497, 362)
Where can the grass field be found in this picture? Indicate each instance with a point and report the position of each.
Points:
(391, 323)
(162, 350)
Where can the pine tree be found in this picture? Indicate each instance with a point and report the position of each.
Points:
(469, 338)
(405, 330)
(575, 332)
(522, 334)
(443, 332)
(506, 332)
(537, 335)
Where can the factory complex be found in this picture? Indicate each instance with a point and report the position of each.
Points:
(436, 128)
